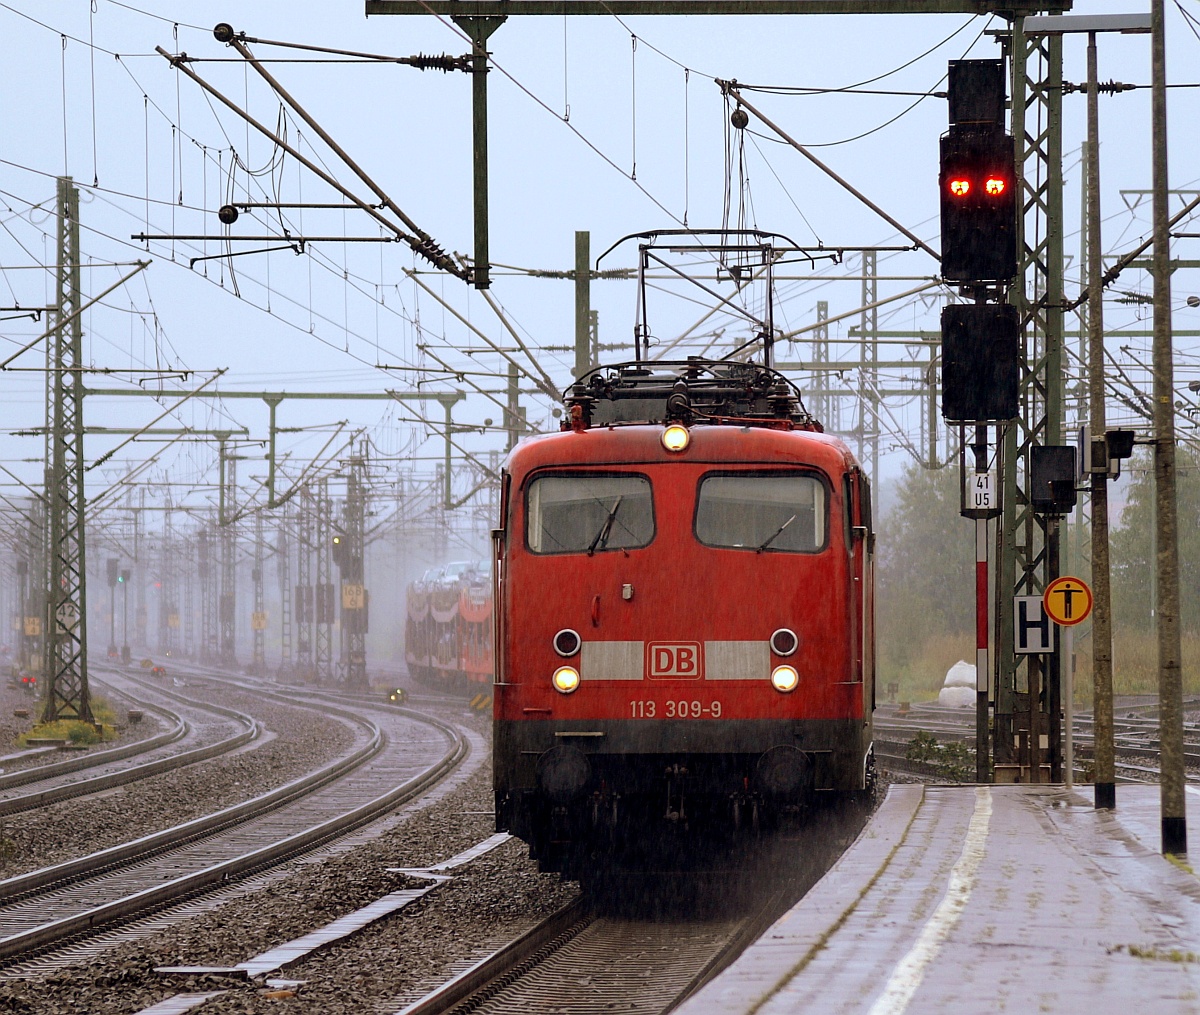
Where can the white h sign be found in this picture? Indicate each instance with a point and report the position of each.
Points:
(1031, 627)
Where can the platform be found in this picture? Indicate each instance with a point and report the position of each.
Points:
(975, 900)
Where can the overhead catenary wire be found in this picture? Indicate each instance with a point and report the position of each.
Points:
(285, 310)
(421, 242)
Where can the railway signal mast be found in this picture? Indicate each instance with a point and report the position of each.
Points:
(981, 338)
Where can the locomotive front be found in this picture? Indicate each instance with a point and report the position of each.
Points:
(684, 616)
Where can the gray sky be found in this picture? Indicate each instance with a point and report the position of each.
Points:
(330, 318)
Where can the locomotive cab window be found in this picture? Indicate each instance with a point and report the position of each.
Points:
(588, 513)
(765, 512)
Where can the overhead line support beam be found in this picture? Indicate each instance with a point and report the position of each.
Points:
(607, 8)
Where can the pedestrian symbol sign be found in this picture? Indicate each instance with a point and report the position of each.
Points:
(1068, 601)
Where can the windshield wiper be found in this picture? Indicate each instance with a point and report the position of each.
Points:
(602, 536)
(776, 534)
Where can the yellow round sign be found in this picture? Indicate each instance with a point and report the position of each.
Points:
(1067, 601)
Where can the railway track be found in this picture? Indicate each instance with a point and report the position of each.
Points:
(641, 944)
(582, 960)
(395, 757)
(1135, 739)
(192, 737)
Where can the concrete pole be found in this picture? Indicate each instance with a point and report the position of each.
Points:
(1170, 679)
(479, 29)
(583, 303)
(1105, 775)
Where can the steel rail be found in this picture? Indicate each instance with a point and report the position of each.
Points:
(506, 961)
(114, 857)
(159, 895)
(96, 784)
(482, 981)
(36, 773)
(893, 751)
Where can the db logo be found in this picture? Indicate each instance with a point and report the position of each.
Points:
(674, 660)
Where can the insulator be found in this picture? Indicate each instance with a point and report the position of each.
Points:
(739, 118)
(428, 248)
(443, 62)
(223, 32)
(1109, 87)
(228, 214)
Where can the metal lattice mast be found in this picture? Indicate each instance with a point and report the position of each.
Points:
(304, 589)
(822, 403)
(323, 592)
(868, 418)
(208, 597)
(1024, 563)
(258, 624)
(228, 611)
(283, 563)
(65, 627)
(354, 606)
(168, 604)
(189, 599)
(1080, 548)
(32, 570)
(141, 572)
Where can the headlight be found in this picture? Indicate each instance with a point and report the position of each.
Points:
(783, 678)
(567, 642)
(566, 679)
(675, 437)
(784, 642)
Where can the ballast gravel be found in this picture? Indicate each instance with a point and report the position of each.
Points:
(303, 740)
(379, 969)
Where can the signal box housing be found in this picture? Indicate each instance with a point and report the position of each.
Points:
(980, 362)
(976, 93)
(978, 185)
(1052, 478)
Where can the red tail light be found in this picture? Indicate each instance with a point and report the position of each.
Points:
(994, 186)
(960, 187)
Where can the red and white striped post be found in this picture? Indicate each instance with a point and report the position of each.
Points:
(982, 670)
(981, 501)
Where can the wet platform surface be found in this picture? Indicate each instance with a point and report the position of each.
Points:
(965, 900)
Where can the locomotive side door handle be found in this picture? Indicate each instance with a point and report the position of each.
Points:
(596, 610)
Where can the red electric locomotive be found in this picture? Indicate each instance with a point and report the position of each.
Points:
(684, 621)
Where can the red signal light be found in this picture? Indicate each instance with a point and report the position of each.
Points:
(960, 187)
(994, 186)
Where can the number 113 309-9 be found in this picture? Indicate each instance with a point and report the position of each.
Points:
(675, 709)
